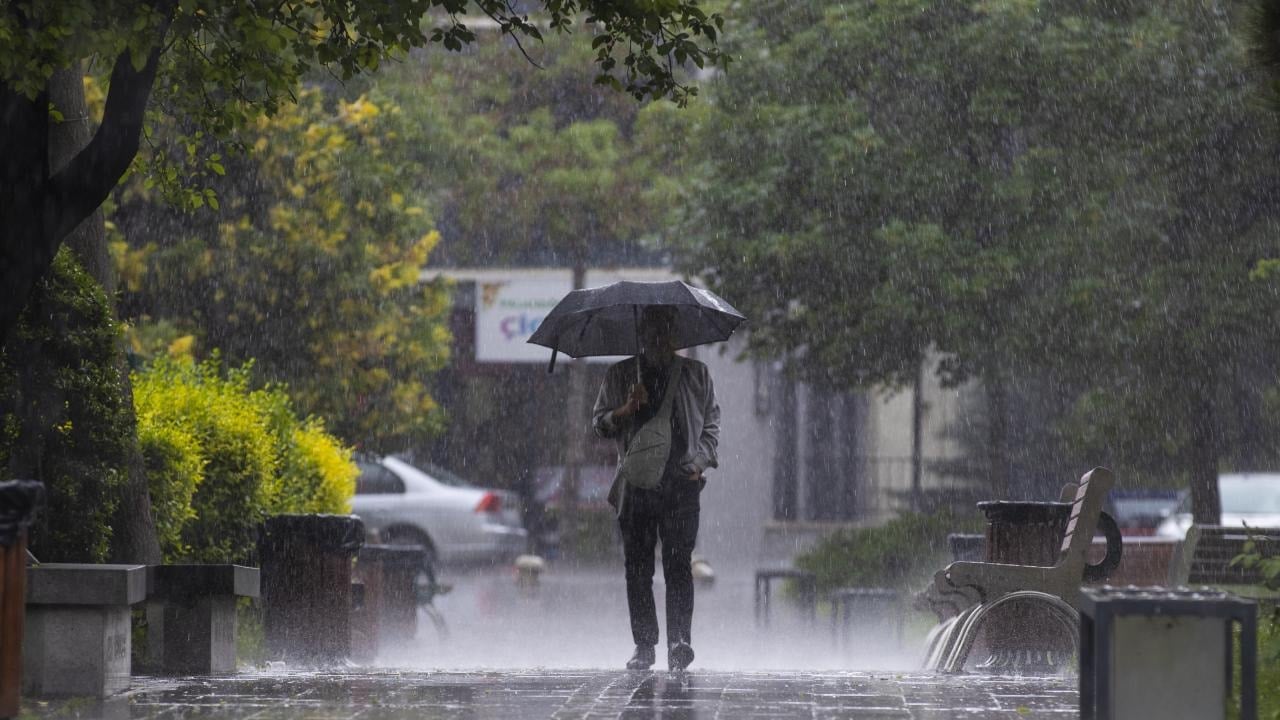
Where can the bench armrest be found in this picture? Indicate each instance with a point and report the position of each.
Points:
(994, 579)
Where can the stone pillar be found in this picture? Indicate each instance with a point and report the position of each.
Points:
(78, 639)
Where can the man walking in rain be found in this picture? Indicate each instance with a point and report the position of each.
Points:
(669, 512)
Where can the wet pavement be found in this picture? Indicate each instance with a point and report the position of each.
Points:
(564, 694)
(509, 652)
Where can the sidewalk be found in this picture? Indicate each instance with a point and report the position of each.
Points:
(562, 694)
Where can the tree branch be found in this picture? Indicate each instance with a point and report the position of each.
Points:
(86, 181)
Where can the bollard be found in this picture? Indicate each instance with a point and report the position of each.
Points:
(529, 569)
(306, 586)
(18, 502)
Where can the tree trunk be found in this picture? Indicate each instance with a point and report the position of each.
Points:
(1206, 505)
(997, 435)
(24, 256)
(66, 139)
(39, 208)
(133, 538)
(917, 439)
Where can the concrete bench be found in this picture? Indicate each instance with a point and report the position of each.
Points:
(806, 583)
(77, 639)
(191, 617)
(876, 612)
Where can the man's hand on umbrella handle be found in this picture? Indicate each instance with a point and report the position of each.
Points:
(637, 398)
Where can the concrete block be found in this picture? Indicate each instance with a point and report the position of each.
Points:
(191, 616)
(192, 636)
(84, 584)
(76, 650)
(78, 639)
(173, 581)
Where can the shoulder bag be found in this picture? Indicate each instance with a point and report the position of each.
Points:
(646, 456)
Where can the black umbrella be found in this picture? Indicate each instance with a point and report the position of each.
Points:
(605, 320)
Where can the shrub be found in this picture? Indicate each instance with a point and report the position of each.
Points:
(175, 466)
(63, 419)
(900, 554)
(238, 454)
(317, 474)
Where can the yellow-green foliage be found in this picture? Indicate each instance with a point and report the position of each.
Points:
(311, 268)
(235, 453)
(318, 475)
(175, 468)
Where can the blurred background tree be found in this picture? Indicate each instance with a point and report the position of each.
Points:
(1045, 196)
(309, 266)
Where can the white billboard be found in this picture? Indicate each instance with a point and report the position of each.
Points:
(507, 313)
(510, 305)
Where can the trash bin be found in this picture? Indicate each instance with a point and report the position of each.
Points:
(306, 586)
(1157, 652)
(390, 603)
(18, 502)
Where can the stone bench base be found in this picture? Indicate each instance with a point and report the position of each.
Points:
(77, 639)
(191, 617)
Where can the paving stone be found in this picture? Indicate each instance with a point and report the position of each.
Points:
(574, 695)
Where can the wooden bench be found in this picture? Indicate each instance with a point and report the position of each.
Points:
(1049, 595)
(1206, 557)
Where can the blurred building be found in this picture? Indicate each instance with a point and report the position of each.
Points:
(796, 460)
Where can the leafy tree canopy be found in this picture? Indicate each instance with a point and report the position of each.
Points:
(308, 265)
(214, 64)
(1078, 190)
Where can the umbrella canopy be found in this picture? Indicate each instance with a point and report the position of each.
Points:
(605, 320)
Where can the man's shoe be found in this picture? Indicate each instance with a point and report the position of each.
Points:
(680, 656)
(642, 659)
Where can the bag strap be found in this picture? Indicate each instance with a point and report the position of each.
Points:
(672, 385)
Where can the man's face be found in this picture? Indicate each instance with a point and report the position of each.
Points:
(656, 337)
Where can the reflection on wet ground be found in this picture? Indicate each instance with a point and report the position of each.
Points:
(578, 619)
(510, 653)
(389, 695)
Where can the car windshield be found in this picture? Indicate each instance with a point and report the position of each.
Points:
(1250, 494)
(437, 473)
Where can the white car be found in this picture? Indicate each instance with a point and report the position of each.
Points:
(455, 521)
(1249, 498)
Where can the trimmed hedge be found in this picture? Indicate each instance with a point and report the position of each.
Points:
(234, 455)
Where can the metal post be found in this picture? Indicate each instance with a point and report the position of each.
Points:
(575, 442)
(917, 431)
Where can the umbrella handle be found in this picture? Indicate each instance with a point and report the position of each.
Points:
(552, 367)
(635, 314)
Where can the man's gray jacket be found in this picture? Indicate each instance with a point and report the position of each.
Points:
(694, 404)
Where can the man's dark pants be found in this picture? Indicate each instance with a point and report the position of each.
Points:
(668, 514)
